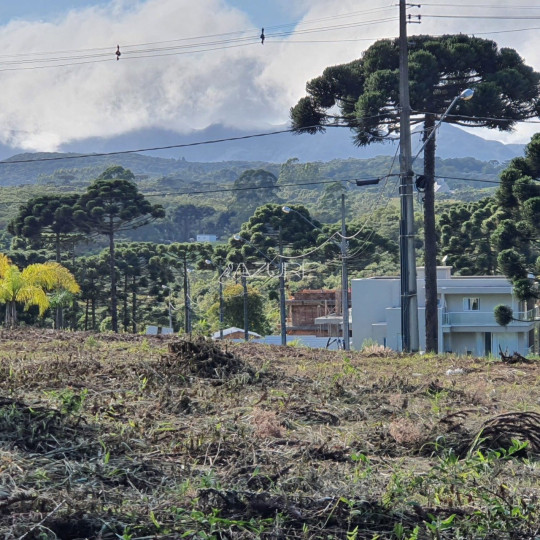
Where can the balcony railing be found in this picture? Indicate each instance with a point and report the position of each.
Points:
(486, 318)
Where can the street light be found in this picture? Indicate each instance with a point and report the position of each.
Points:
(210, 262)
(344, 275)
(467, 94)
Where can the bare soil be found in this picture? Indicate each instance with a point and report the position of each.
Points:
(123, 436)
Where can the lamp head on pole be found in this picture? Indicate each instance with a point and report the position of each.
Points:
(466, 94)
(237, 237)
(208, 261)
(286, 209)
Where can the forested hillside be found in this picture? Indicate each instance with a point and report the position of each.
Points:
(159, 265)
(128, 237)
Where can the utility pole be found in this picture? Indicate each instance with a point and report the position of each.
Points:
(409, 299)
(246, 322)
(344, 278)
(282, 316)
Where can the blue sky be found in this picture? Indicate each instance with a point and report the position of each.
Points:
(61, 81)
(38, 9)
(264, 12)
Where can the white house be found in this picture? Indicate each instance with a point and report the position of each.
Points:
(465, 314)
(206, 238)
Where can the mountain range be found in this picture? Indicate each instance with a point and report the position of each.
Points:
(335, 143)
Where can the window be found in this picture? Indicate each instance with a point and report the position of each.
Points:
(471, 304)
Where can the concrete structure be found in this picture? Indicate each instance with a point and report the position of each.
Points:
(466, 321)
(313, 342)
(235, 333)
(308, 308)
(158, 330)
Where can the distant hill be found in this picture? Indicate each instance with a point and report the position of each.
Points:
(224, 162)
(336, 143)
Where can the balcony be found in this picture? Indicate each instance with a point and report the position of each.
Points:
(486, 318)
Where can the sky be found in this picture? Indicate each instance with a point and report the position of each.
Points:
(188, 64)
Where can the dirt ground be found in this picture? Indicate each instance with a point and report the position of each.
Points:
(131, 437)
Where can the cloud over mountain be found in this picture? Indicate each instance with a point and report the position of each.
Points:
(221, 75)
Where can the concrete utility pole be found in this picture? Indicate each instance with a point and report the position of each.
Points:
(409, 299)
(344, 279)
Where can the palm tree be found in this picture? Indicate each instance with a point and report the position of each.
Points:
(30, 286)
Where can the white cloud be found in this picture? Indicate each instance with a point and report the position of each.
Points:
(244, 86)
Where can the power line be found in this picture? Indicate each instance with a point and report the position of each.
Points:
(483, 17)
(487, 118)
(93, 57)
(489, 6)
(223, 190)
(252, 30)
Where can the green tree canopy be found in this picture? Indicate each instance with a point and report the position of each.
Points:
(366, 91)
(466, 236)
(517, 235)
(253, 188)
(261, 231)
(111, 204)
(48, 219)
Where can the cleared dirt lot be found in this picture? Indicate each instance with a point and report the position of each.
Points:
(106, 436)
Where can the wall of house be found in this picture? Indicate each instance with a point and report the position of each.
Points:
(370, 300)
(488, 301)
(376, 313)
(466, 343)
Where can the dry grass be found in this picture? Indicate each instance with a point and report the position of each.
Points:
(138, 437)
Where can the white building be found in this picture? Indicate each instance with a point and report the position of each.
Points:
(206, 238)
(465, 315)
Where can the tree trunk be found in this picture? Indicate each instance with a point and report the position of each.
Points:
(59, 314)
(93, 314)
(125, 307)
(86, 309)
(11, 314)
(134, 306)
(112, 264)
(186, 299)
(430, 239)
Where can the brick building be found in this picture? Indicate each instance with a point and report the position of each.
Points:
(309, 304)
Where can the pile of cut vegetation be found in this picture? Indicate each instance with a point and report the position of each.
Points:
(204, 358)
